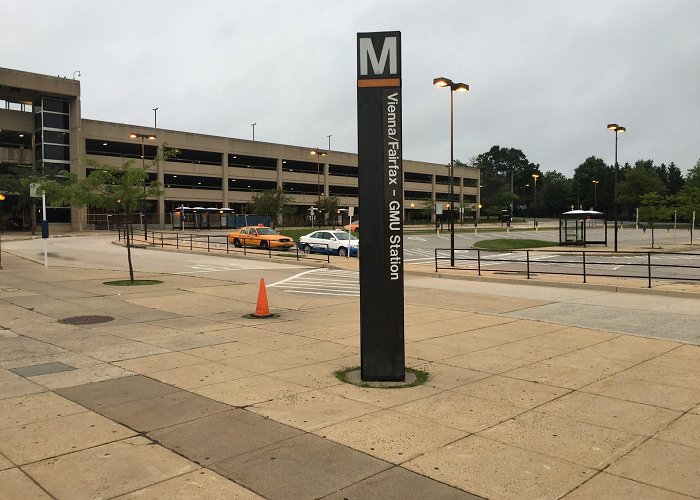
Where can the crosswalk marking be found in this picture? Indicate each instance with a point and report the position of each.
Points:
(322, 281)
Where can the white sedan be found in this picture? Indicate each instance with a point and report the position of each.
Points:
(335, 242)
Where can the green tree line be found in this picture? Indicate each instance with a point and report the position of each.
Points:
(507, 177)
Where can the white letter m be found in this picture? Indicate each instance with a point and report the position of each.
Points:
(378, 65)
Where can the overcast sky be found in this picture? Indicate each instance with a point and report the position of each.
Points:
(546, 76)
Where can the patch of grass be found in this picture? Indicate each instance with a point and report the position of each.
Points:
(421, 378)
(132, 283)
(512, 244)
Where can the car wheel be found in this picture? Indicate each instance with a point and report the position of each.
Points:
(237, 243)
(342, 252)
(263, 244)
(307, 248)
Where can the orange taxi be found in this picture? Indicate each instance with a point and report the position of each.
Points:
(260, 236)
(354, 227)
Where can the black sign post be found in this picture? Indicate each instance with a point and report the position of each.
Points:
(381, 205)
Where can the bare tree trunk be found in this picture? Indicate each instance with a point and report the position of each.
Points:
(652, 237)
(128, 247)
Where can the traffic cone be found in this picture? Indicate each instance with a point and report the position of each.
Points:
(261, 309)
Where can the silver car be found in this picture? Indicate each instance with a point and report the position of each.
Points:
(328, 241)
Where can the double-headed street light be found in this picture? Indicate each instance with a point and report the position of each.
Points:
(318, 153)
(143, 138)
(617, 129)
(454, 87)
(534, 202)
(595, 193)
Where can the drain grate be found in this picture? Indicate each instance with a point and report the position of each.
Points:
(85, 320)
(42, 369)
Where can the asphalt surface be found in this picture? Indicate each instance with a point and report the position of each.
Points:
(672, 318)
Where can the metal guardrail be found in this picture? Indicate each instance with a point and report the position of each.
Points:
(210, 242)
(584, 263)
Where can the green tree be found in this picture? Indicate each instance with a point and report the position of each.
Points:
(427, 206)
(555, 193)
(15, 179)
(671, 176)
(654, 208)
(498, 202)
(585, 193)
(639, 180)
(693, 177)
(11, 176)
(497, 166)
(273, 202)
(328, 206)
(675, 180)
(122, 189)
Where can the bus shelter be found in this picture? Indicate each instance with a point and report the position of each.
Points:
(583, 227)
(201, 218)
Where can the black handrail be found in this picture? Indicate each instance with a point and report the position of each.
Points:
(586, 261)
(210, 242)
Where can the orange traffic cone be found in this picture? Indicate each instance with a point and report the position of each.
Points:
(261, 309)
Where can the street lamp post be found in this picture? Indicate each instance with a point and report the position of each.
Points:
(318, 153)
(155, 117)
(595, 194)
(143, 138)
(534, 202)
(409, 213)
(454, 87)
(253, 125)
(617, 129)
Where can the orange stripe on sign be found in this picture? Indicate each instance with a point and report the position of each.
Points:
(380, 82)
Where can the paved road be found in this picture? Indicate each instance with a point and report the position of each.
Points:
(420, 250)
(652, 316)
(98, 252)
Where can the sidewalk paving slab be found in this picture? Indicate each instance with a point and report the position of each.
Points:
(58, 436)
(496, 470)
(677, 471)
(305, 466)
(606, 485)
(98, 395)
(16, 484)
(224, 435)
(401, 484)
(201, 483)
(109, 470)
(594, 388)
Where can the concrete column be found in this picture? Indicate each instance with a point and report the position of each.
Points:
(77, 152)
(160, 167)
(325, 179)
(279, 174)
(224, 179)
(433, 196)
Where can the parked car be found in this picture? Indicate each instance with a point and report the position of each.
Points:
(354, 227)
(260, 236)
(335, 242)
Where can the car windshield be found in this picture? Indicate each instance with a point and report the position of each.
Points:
(344, 236)
(266, 230)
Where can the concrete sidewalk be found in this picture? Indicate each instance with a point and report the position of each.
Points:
(180, 396)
